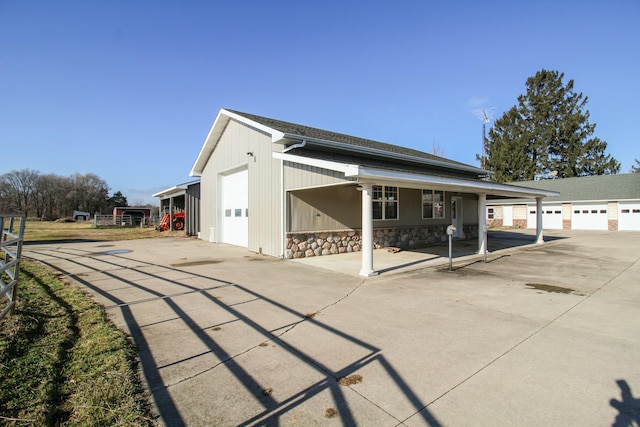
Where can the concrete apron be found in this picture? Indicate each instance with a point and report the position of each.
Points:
(543, 335)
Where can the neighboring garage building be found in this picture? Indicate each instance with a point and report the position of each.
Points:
(291, 191)
(182, 198)
(604, 202)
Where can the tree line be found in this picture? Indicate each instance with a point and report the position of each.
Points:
(51, 196)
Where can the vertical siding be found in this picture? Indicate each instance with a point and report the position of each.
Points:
(192, 208)
(470, 204)
(264, 186)
(303, 176)
(339, 207)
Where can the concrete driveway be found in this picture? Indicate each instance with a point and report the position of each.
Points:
(539, 335)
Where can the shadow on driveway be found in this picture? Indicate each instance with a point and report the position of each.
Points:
(133, 283)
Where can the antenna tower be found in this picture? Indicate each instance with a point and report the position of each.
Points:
(484, 114)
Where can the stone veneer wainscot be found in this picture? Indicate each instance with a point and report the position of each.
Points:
(322, 243)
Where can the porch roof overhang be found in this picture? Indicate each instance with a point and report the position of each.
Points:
(176, 190)
(380, 176)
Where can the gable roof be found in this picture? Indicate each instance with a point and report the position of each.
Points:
(296, 131)
(592, 188)
(353, 156)
(289, 134)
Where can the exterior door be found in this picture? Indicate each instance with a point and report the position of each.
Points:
(507, 215)
(235, 208)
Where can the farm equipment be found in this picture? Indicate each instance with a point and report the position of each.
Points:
(178, 222)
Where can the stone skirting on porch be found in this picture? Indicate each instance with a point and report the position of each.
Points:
(321, 243)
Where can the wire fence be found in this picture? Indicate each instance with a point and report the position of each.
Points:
(11, 239)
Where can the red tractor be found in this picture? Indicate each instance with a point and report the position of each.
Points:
(178, 222)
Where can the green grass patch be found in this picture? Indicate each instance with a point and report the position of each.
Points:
(62, 362)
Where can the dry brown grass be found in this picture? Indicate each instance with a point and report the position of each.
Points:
(350, 380)
(46, 231)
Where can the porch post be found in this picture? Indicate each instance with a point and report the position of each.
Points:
(170, 213)
(482, 223)
(367, 231)
(539, 236)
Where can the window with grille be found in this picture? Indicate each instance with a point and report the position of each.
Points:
(432, 204)
(385, 202)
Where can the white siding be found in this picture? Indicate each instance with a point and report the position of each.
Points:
(264, 178)
(297, 176)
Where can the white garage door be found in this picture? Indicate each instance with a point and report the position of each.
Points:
(551, 217)
(235, 208)
(589, 217)
(628, 216)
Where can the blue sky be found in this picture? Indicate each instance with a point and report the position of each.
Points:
(129, 89)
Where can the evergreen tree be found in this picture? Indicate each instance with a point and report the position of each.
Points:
(117, 200)
(636, 168)
(548, 130)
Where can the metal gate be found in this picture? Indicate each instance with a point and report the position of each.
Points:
(12, 227)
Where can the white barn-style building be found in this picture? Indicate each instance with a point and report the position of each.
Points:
(289, 190)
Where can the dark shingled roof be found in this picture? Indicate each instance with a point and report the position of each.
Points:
(583, 188)
(302, 131)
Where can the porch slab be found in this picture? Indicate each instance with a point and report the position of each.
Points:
(388, 261)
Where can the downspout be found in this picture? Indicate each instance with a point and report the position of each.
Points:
(283, 198)
(294, 146)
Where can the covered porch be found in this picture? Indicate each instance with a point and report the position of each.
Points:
(367, 179)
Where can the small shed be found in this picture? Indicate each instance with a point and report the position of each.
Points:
(136, 216)
(81, 216)
(183, 198)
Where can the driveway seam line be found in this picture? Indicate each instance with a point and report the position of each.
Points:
(525, 339)
(222, 362)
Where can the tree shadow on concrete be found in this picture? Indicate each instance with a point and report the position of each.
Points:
(272, 409)
(628, 407)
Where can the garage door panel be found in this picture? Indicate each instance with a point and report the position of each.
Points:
(551, 217)
(629, 216)
(589, 217)
(235, 208)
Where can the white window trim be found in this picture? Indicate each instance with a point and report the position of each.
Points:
(384, 202)
(444, 199)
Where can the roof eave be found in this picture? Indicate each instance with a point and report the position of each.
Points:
(478, 187)
(216, 131)
(387, 154)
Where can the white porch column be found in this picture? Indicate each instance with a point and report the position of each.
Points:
(539, 236)
(367, 231)
(482, 222)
